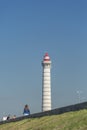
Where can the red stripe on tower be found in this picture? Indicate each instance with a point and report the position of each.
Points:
(46, 57)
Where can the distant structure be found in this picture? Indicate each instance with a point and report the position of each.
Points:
(46, 83)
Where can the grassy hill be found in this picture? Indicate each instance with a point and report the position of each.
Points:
(67, 121)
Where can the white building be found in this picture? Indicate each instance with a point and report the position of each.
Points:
(46, 83)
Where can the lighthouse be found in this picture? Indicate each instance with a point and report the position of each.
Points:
(46, 83)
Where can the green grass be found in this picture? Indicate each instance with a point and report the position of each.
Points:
(67, 121)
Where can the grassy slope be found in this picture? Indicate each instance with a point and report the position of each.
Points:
(67, 121)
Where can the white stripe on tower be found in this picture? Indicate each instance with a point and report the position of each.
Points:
(46, 83)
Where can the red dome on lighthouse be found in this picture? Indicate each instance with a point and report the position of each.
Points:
(46, 57)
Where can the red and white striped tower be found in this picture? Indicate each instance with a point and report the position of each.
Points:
(46, 83)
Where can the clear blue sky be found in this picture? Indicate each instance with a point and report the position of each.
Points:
(28, 29)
